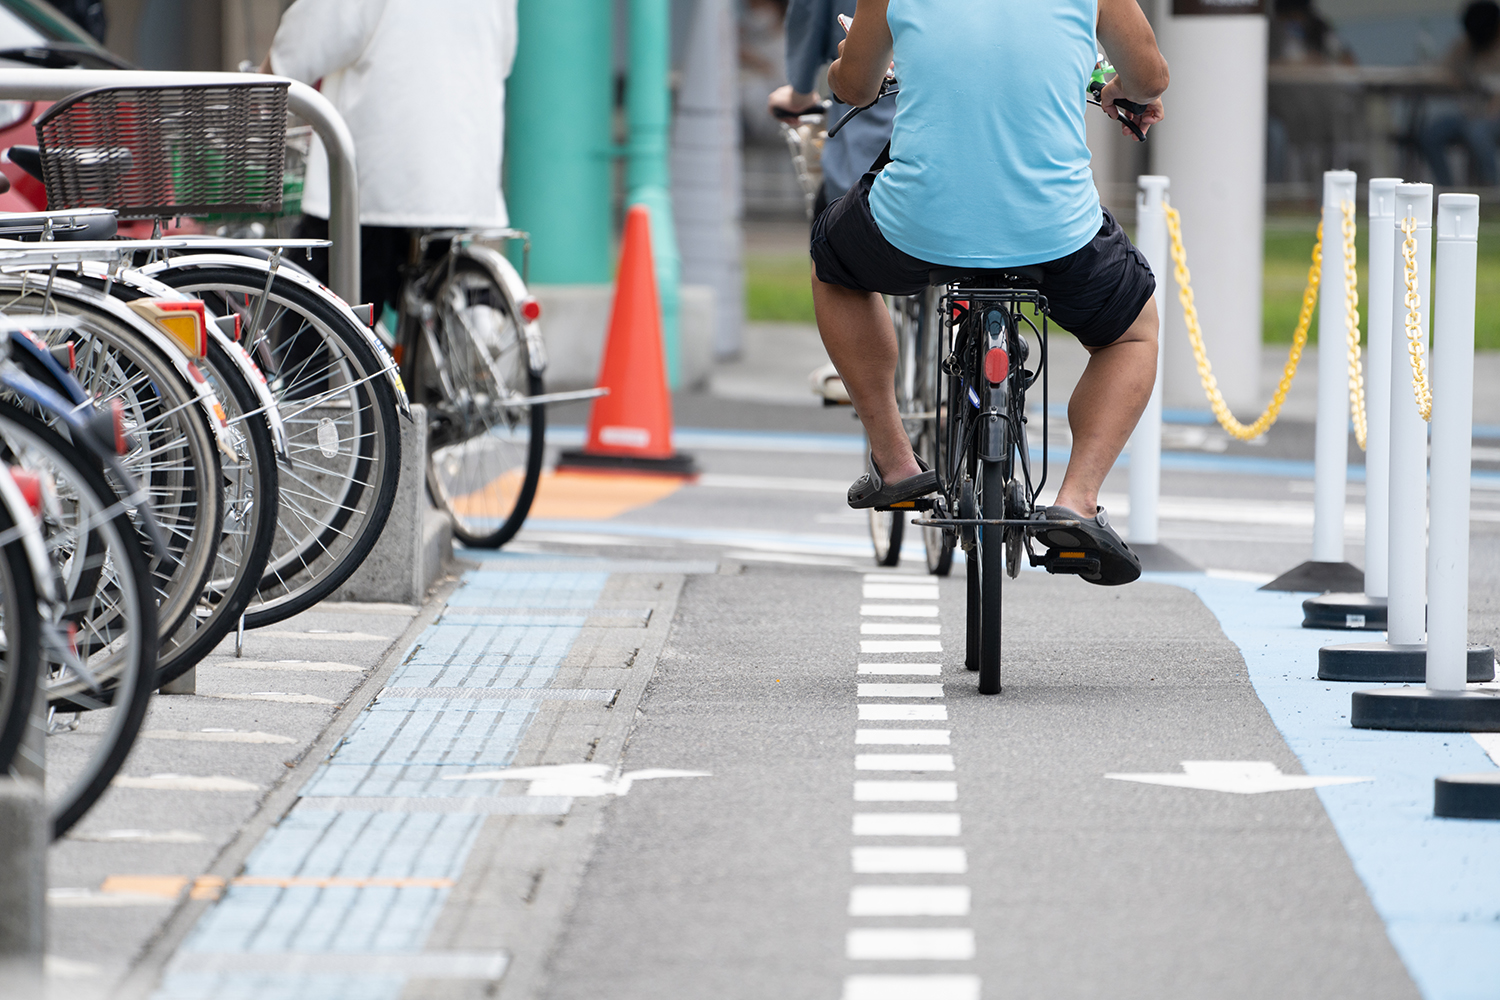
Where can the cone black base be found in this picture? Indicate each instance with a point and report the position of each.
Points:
(1467, 796)
(679, 464)
(1344, 611)
(1320, 578)
(1380, 662)
(1418, 710)
(1158, 558)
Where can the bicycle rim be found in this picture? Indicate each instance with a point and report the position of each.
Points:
(484, 456)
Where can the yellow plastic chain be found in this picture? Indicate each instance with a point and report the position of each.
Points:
(1237, 430)
(1351, 325)
(1414, 348)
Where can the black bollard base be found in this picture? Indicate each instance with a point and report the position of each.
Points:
(1320, 578)
(1380, 662)
(1412, 709)
(1344, 611)
(678, 464)
(1467, 796)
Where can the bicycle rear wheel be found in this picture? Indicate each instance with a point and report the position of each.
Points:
(484, 456)
(991, 551)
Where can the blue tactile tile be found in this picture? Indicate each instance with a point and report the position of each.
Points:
(476, 643)
(272, 986)
(519, 589)
(431, 733)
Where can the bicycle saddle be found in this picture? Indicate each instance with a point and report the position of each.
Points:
(1028, 276)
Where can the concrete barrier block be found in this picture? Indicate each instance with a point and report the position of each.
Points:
(417, 543)
(23, 887)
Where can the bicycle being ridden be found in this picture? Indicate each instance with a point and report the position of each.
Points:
(988, 194)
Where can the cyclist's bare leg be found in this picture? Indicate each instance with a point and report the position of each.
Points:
(861, 343)
(1110, 397)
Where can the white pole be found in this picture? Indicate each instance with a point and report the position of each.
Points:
(1406, 614)
(1145, 441)
(1378, 385)
(1331, 450)
(1452, 437)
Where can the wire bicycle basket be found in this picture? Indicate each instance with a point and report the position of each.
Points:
(159, 152)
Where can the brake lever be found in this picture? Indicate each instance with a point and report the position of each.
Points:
(1127, 108)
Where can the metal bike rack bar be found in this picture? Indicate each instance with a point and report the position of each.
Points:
(305, 102)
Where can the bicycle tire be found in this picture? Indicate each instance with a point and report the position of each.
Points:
(175, 458)
(474, 473)
(303, 571)
(886, 530)
(991, 574)
(22, 641)
(122, 700)
(251, 499)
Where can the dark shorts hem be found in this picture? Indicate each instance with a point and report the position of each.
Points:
(1096, 292)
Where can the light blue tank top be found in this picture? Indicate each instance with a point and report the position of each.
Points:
(989, 167)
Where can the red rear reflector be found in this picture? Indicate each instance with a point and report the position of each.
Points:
(117, 415)
(197, 375)
(66, 354)
(996, 365)
(30, 485)
(366, 313)
(531, 309)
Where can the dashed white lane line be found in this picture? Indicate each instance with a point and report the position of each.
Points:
(892, 669)
(187, 783)
(900, 592)
(900, 610)
(903, 713)
(214, 736)
(909, 901)
(907, 824)
(906, 791)
(903, 762)
(899, 628)
(891, 943)
(900, 690)
(322, 666)
(911, 988)
(902, 737)
(909, 860)
(900, 646)
(284, 697)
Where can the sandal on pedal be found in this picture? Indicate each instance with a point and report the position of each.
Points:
(870, 490)
(1093, 550)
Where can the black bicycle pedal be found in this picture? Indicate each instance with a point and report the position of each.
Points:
(921, 503)
(1076, 562)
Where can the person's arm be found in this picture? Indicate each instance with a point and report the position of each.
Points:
(807, 25)
(319, 37)
(1127, 38)
(864, 56)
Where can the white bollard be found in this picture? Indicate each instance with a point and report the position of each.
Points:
(1145, 440)
(1378, 385)
(1331, 452)
(1452, 376)
(1407, 610)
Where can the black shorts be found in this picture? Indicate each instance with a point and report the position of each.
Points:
(1095, 292)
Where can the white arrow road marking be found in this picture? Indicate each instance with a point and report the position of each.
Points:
(576, 780)
(1490, 743)
(1242, 777)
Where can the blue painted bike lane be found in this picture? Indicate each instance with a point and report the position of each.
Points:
(1435, 882)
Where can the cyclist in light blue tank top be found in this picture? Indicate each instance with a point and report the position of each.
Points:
(988, 169)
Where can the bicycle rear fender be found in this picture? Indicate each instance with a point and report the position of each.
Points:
(510, 282)
(265, 401)
(298, 276)
(205, 397)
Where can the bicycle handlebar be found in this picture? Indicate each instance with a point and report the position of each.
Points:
(820, 108)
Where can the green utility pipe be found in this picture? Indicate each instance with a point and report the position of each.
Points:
(558, 107)
(648, 112)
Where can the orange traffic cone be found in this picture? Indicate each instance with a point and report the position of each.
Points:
(631, 428)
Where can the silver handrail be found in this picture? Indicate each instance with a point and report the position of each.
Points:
(305, 102)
